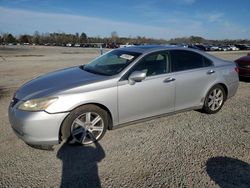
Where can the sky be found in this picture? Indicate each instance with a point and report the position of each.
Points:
(166, 19)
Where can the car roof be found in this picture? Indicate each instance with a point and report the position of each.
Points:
(151, 48)
(146, 48)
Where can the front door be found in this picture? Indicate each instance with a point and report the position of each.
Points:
(153, 96)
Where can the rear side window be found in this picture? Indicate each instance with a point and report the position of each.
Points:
(207, 62)
(186, 60)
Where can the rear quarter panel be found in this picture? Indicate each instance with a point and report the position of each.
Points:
(227, 75)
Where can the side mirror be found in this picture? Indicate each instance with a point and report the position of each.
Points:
(136, 76)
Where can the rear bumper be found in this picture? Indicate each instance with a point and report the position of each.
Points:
(37, 128)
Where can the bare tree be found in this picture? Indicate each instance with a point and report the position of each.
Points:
(83, 38)
(25, 39)
(36, 38)
(114, 37)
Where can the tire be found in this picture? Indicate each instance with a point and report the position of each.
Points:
(214, 100)
(85, 125)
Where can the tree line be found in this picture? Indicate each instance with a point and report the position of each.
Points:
(62, 39)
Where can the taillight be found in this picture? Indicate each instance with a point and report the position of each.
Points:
(236, 69)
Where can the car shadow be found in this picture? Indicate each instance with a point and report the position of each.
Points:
(228, 172)
(80, 165)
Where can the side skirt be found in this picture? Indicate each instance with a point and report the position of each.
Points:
(154, 117)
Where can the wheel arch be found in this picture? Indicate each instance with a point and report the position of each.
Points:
(225, 89)
(205, 107)
(110, 125)
(222, 85)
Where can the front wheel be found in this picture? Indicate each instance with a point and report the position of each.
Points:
(214, 99)
(85, 125)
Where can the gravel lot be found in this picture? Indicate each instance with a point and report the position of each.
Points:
(189, 149)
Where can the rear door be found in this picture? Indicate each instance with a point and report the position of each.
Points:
(194, 74)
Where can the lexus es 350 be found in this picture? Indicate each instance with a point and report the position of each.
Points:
(121, 87)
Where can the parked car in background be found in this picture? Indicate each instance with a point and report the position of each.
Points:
(77, 45)
(192, 46)
(121, 87)
(214, 48)
(183, 45)
(202, 47)
(125, 45)
(243, 46)
(244, 66)
(224, 48)
(69, 44)
(233, 48)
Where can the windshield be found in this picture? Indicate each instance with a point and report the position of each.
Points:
(111, 63)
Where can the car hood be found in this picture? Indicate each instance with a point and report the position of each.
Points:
(245, 60)
(55, 82)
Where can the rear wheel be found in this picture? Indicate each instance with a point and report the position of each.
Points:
(214, 99)
(85, 125)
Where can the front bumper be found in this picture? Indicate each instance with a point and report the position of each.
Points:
(37, 128)
(244, 72)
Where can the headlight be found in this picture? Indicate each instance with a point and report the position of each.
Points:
(37, 104)
(246, 66)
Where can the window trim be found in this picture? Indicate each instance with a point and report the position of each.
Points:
(132, 69)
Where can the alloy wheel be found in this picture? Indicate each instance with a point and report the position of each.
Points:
(215, 99)
(87, 128)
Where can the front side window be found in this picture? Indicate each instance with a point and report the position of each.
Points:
(111, 63)
(154, 64)
(185, 60)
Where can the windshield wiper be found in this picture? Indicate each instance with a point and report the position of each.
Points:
(93, 71)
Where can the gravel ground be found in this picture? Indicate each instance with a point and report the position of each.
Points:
(189, 149)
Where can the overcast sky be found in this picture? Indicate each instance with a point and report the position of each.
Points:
(211, 19)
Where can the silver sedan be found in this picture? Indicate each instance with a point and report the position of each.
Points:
(121, 87)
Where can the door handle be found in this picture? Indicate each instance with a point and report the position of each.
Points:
(210, 71)
(170, 79)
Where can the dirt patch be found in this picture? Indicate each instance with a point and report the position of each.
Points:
(28, 55)
(86, 52)
(71, 53)
(3, 58)
(6, 92)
